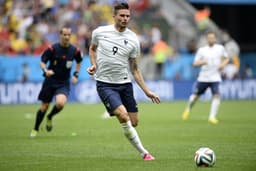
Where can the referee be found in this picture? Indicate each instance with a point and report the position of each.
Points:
(59, 57)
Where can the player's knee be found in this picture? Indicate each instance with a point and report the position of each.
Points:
(60, 105)
(123, 117)
(44, 107)
(216, 96)
(135, 123)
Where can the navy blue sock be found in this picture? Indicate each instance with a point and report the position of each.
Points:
(39, 119)
(54, 111)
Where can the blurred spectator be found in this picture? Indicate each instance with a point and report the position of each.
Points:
(4, 40)
(145, 40)
(25, 73)
(19, 45)
(38, 50)
(192, 46)
(161, 51)
(230, 71)
(202, 18)
(156, 34)
(247, 71)
(232, 48)
(47, 7)
(25, 23)
(139, 6)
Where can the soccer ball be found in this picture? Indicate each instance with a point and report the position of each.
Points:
(205, 157)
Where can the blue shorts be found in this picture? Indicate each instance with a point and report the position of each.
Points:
(51, 88)
(114, 95)
(200, 87)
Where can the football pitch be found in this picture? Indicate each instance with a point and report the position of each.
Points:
(82, 140)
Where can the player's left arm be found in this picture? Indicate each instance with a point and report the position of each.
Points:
(78, 58)
(140, 81)
(223, 63)
(225, 59)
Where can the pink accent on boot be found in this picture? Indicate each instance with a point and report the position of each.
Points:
(148, 157)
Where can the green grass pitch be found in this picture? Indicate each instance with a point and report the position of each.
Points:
(81, 140)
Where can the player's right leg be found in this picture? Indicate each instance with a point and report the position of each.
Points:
(39, 118)
(61, 100)
(198, 89)
(192, 99)
(45, 95)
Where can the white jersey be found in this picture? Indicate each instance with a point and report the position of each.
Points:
(113, 52)
(213, 55)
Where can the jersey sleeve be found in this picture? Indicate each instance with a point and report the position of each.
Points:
(47, 54)
(94, 36)
(136, 50)
(225, 53)
(198, 55)
(78, 55)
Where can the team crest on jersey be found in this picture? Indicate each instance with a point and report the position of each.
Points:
(69, 64)
(125, 42)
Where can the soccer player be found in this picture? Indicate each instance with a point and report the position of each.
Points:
(211, 58)
(113, 53)
(56, 83)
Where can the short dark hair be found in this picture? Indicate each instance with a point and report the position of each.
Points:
(210, 32)
(120, 6)
(65, 27)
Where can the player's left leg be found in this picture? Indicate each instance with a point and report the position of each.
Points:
(134, 121)
(214, 109)
(130, 132)
(39, 118)
(134, 118)
(61, 100)
(198, 89)
(129, 128)
(215, 103)
(191, 101)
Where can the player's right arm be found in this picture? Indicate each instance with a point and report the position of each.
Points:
(44, 59)
(92, 54)
(199, 59)
(47, 72)
(199, 63)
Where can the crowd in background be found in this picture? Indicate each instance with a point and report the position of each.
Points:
(27, 27)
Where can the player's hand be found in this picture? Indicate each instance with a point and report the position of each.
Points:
(49, 73)
(154, 97)
(91, 70)
(74, 80)
(204, 62)
(220, 67)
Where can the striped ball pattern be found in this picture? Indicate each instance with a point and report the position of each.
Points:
(205, 157)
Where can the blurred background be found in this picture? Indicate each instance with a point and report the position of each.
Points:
(170, 31)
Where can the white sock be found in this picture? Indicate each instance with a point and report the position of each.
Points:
(191, 101)
(132, 135)
(214, 107)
